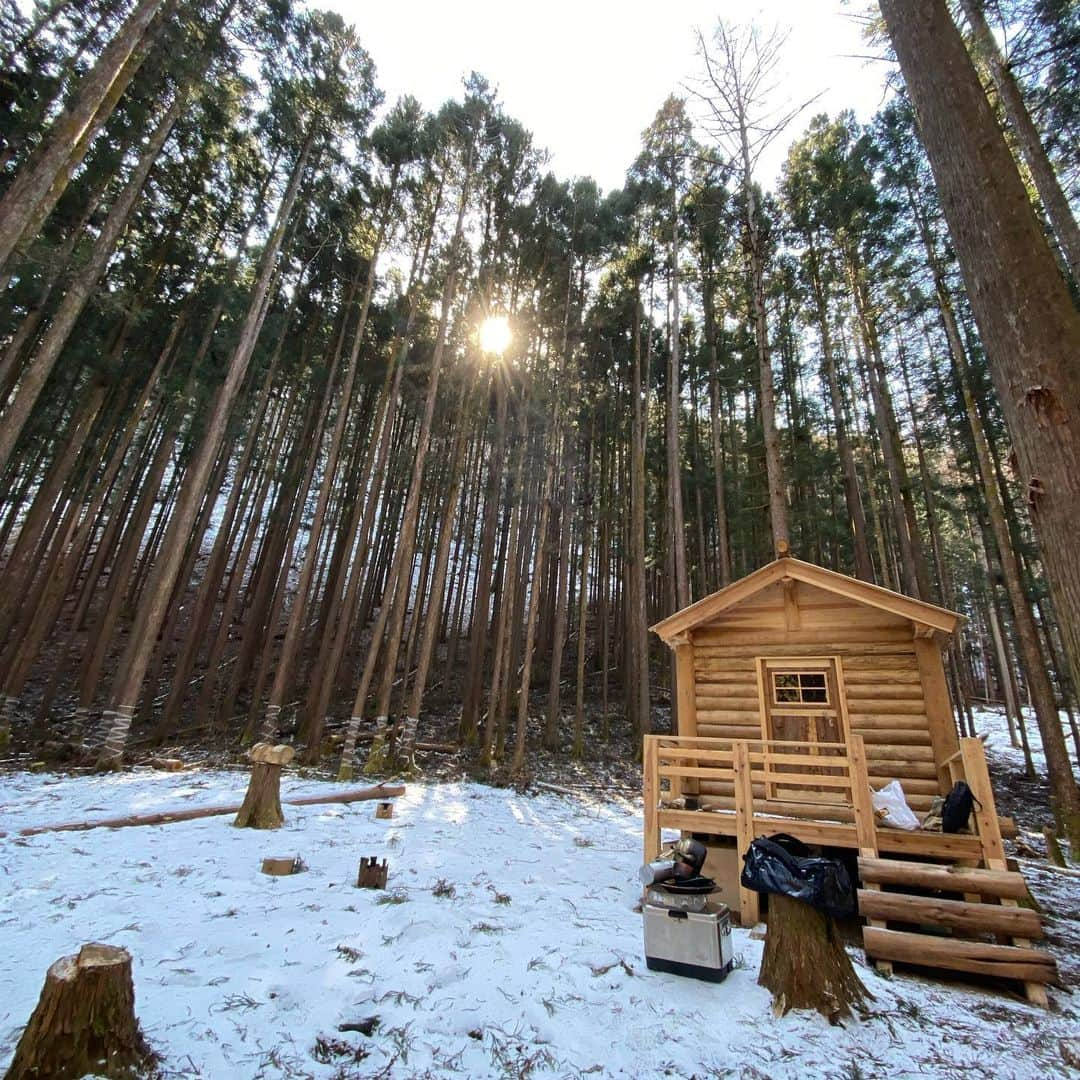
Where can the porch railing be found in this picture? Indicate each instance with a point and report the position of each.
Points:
(836, 772)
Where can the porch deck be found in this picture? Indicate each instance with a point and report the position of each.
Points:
(820, 793)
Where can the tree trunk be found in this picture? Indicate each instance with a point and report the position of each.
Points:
(1054, 200)
(804, 964)
(84, 1022)
(151, 613)
(864, 567)
(31, 186)
(1027, 320)
(261, 808)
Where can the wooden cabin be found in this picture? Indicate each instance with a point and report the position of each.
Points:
(797, 691)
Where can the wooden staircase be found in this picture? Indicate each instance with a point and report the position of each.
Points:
(947, 910)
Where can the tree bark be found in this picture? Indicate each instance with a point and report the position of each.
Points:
(30, 187)
(804, 964)
(1054, 200)
(1027, 320)
(84, 1022)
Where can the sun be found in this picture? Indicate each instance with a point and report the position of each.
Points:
(495, 334)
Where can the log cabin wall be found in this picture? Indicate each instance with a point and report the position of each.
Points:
(883, 669)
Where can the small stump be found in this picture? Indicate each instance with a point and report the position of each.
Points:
(84, 1022)
(805, 965)
(384, 810)
(262, 803)
(372, 875)
(282, 866)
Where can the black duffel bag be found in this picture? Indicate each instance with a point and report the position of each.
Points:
(781, 864)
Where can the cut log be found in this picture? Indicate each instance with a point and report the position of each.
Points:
(384, 810)
(261, 808)
(280, 865)
(267, 754)
(372, 874)
(167, 817)
(168, 764)
(957, 879)
(84, 1022)
(804, 964)
(954, 954)
(955, 914)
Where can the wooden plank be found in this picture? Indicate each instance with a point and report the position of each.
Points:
(169, 817)
(898, 660)
(939, 714)
(865, 824)
(954, 914)
(887, 705)
(684, 685)
(903, 770)
(924, 755)
(722, 758)
(650, 796)
(794, 779)
(749, 907)
(896, 721)
(955, 879)
(973, 754)
(747, 717)
(973, 760)
(955, 954)
(893, 736)
(730, 731)
(911, 787)
(884, 638)
(711, 702)
(792, 621)
(808, 760)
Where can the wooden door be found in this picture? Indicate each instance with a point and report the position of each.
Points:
(802, 704)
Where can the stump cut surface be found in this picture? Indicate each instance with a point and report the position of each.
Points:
(84, 1023)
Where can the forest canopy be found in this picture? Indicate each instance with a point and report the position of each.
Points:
(264, 470)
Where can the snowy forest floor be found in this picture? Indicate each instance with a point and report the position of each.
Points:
(506, 944)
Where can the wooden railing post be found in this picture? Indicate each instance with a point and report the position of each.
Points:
(749, 907)
(651, 796)
(973, 755)
(861, 803)
(865, 826)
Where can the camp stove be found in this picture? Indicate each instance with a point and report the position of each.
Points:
(685, 932)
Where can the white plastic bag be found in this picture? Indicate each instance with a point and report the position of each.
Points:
(891, 808)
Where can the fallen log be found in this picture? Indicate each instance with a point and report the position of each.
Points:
(379, 791)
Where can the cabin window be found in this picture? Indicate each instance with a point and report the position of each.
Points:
(800, 688)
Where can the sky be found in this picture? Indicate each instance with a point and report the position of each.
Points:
(587, 76)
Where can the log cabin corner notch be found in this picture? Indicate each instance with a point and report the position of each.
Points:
(797, 653)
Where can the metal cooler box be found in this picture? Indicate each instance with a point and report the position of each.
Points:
(694, 943)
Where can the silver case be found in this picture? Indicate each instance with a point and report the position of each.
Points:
(658, 896)
(700, 939)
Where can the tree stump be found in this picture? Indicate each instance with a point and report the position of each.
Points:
(84, 1022)
(804, 964)
(372, 875)
(262, 803)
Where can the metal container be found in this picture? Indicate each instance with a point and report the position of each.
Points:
(665, 897)
(693, 943)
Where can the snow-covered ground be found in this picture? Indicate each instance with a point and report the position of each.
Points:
(506, 945)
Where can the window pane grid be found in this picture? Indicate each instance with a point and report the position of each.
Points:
(800, 688)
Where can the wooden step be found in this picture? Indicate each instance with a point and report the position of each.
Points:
(955, 954)
(954, 914)
(957, 879)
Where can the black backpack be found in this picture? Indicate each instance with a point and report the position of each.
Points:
(956, 810)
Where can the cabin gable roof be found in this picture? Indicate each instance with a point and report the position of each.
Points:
(676, 626)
